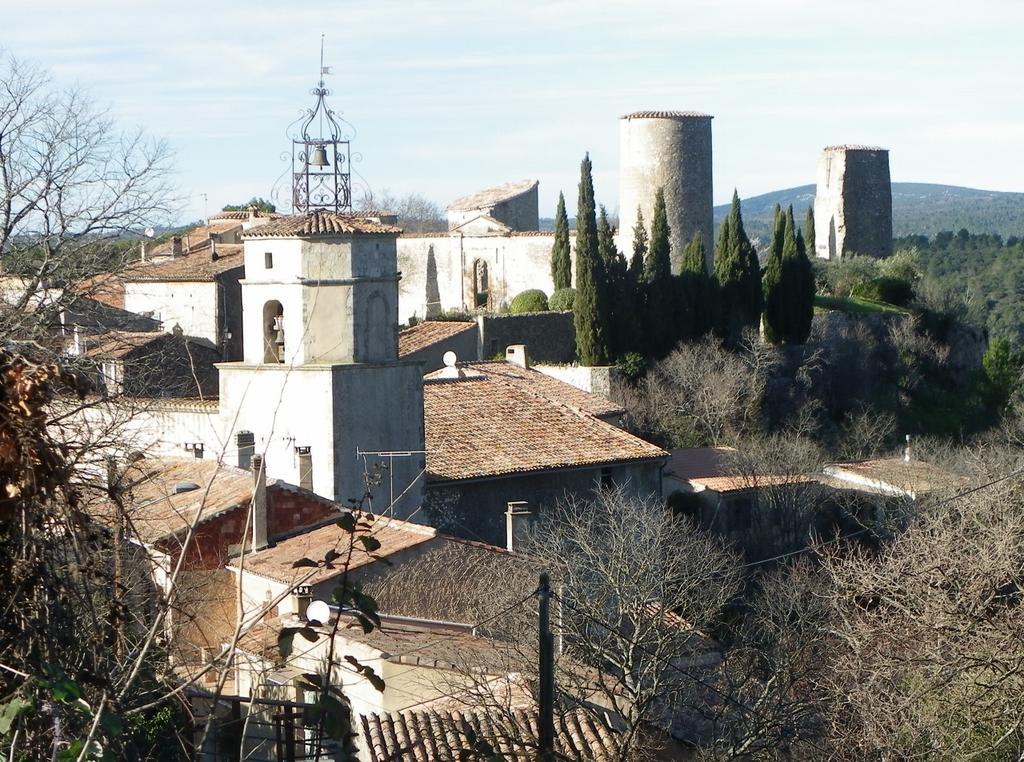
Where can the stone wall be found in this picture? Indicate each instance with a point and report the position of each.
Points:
(475, 510)
(519, 212)
(550, 337)
(853, 203)
(670, 150)
(442, 272)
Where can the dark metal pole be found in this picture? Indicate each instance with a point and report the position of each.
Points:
(546, 720)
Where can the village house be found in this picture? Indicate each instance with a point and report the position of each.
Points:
(506, 442)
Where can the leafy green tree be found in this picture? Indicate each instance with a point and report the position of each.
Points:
(561, 258)
(261, 204)
(739, 276)
(1001, 369)
(589, 313)
(660, 314)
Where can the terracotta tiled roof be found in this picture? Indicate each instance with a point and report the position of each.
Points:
(854, 147)
(716, 469)
(276, 562)
(107, 288)
(196, 265)
(489, 197)
(913, 477)
(115, 345)
(243, 214)
(540, 384)
(157, 512)
(422, 335)
(489, 425)
(666, 115)
(431, 735)
(320, 223)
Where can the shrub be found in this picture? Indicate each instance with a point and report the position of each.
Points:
(845, 275)
(892, 290)
(531, 300)
(633, 366)
(563, 300)
(454, 315)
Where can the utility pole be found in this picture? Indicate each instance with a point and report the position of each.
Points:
(546, 720)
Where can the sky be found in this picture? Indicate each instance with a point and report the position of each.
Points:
(451, 97)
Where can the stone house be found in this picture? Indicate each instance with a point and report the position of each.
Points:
(505, 443)
(147, 364)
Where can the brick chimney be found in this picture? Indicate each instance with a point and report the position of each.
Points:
(176, 246)
(259, 503)
(516, 354)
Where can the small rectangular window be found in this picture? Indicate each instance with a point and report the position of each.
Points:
(268, 260)
(305, 467)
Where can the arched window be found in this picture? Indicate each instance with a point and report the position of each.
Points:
(273, 332)
(481, 289)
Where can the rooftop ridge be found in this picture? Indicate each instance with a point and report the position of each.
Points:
(667, 115)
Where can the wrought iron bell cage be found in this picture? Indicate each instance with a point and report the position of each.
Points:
(321, 157)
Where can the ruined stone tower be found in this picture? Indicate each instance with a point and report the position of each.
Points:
(853, 202)
(669, 149)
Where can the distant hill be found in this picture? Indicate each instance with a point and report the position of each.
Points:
(917, 208)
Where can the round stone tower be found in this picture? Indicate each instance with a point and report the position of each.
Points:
(671, 150)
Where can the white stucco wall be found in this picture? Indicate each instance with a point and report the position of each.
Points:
(192, 305)
(515, 263)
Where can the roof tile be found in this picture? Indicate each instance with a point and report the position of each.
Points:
(492, 424)
(320, 223)
(422, 335)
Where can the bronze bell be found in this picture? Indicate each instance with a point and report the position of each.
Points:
(319, 158)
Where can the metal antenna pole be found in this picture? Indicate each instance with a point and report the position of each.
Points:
(546, 719)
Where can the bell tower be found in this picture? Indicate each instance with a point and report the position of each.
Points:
(321, 156)
(321, 392)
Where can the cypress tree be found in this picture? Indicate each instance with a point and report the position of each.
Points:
(775, 323)
(809, 231)
(636, 264)
(588, 315)
(561, 259)
(804, 290)
(695, 293)
(660, 312)
(739, 276)
(788, 287)
(618, 293)
(778, 231)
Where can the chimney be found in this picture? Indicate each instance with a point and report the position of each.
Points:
(303, 597)
(143, 248)
(252, 210)
(259, 503)
(245, 442)
(516, 354)
(176, 246)
(213, 249)
(906, 451)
